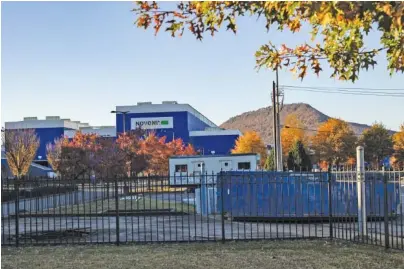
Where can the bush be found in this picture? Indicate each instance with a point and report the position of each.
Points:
(36, 192)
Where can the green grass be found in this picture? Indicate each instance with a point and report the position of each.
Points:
(245, 255)
(110, 204)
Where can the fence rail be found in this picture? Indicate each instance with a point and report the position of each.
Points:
(234, 206)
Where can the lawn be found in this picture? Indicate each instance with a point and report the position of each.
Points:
(269, 254)
(104, 205)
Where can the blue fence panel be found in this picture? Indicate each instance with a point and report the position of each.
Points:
(279, 194)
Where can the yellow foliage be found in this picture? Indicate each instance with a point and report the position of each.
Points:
(292, 131)
(398, 146)
(398, 139)
(251, 142)
(21, 147)
(334, 141)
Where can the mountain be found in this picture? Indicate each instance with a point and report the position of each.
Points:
(261, 120)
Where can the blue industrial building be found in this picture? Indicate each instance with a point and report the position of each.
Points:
(174, 121)
(53, 127)
(168, 119)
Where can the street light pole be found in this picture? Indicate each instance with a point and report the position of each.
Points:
(123, 116)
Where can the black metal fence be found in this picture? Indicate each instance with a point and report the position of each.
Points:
(224, 207)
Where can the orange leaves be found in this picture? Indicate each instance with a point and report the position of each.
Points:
(398, 146)
(334, 141)
(155, 150)
(179, 15)
(292, 131)
(294, 25)
(80, 140)
(315, 65)
(351, 161)
(331, 22)
(251, 142)
(398, 139)
(130, 154)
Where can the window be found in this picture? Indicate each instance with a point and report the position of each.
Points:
(226, 164)
(244, 166)
(181, 168)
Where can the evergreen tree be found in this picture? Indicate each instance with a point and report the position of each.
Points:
(298, 158)
(270, 161)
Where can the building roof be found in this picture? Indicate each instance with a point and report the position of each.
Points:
(165, 106)
(101, 131)
(48, 122)
(212, 156)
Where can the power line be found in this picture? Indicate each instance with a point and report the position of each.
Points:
(343, 88)
(306, 129)
(349, 92)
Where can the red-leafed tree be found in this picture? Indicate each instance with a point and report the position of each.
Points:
(75, 158)
(109, 160)
(131, 145)
(155, 147)
(160, 152)
(132, 153)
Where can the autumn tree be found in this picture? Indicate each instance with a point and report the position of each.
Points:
(54, 153)
(377, 143)
(342, 27)
(334, 141)
(298, 158)
(160, 151)
(74, 158)
(20, 147)
(110, 159)
(132, 146)
(155, 147)
(179, 148)
(292, 131)
(398, 146)
(251, 142)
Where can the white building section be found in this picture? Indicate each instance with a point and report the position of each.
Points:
(105, 131)
(165, 106)
(48, 122)
(194, 170)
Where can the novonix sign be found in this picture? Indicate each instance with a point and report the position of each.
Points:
(152, 123)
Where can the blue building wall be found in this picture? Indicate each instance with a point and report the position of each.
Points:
(183, 123)
(180, 123)
(221, 144)
(195, 124)
(47, 135)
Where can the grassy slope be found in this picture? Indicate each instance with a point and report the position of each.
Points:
(110, 204)
(270, 254)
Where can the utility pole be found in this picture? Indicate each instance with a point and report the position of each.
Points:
(278, 125)
(275, 125)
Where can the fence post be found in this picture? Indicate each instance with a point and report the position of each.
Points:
(222, 206)
(361, 191)
(17, 211)
(331, 231)
(386, 213)
(117, 211)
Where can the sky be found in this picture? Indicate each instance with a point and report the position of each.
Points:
(79, 60)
